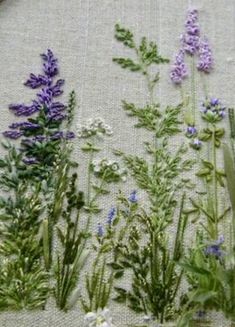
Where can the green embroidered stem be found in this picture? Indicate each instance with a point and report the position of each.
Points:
(231, 117)
(193, 89)
(215, 184)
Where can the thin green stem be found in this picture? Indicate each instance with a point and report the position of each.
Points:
(193, 89)
(215, 184)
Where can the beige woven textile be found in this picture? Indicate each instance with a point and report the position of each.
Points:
(80, 32)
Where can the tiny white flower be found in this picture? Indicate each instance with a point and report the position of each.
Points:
(115, 166)
(89, 317)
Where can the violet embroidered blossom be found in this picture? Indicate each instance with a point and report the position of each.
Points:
(191, 131)
(205, 63)
(212, 110)
(190, 40)
(215, 248)
(100, 231)
(48, 114)
(111, 215)
(133, 197)
(179, 69)
(196, 144)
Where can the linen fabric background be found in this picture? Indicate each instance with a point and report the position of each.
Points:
(81, 34)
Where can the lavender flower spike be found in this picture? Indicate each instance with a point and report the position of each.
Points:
(100, 231)
(179, 69)
(190, 40)
(111, 215)
(205, 63)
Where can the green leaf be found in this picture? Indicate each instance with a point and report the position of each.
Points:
(202, 296)
(127, 63)
(125, 36)
(148, 53)
(230, 173)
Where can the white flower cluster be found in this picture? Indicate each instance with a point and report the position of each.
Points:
(110, 169)
(93, 126)
(101, 318)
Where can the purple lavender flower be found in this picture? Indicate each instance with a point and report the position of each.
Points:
(24, 110)
(133, 197)
(100, 231)
(69, 135)
(215, 248)
(50, 65)
(57, 135)
(36, 81)
(179, 69)
(30, 161)
(190, 40)
(191, 131)
(26, 125)
(50, 113)
(13, 134)
(111, 215)
(205, 63)
(39, 138)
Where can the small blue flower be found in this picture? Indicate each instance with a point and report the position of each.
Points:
(215, 248)
(191, 131)
(196, 144)
(100, 231)
(111, 215)
(133, 197)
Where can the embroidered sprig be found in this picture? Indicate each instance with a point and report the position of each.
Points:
(151, 262)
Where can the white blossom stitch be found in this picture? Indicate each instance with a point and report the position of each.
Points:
(92, 127)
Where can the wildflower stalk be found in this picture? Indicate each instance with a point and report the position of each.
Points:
(153, 278)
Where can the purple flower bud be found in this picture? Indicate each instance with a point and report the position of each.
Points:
(212, 110)
(36, 81)
(12, 134)
(205, 63)
(214, 101)
(196, 144)
(39, 138)
(133, 197)
(111, 215)
(179, 69)
(69, 135)
(56, 89)
(190, 40)
(57, 135)
(50, 65)
(100, 231)
(191, 130)
(30, 161)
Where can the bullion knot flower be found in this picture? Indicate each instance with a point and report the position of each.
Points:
(179, 69)
(212, 110)
(190, 39)
(50, 65)
(205, 63)
(214, 249)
